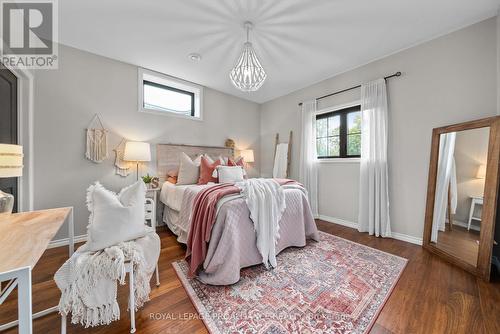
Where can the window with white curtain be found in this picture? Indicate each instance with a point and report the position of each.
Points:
(338, 133)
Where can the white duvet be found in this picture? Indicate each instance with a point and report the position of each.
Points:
(178, 200)
(171, 195)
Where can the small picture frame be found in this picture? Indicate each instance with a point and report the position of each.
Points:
(155, 182)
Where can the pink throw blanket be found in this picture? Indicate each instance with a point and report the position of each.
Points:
(203, 218)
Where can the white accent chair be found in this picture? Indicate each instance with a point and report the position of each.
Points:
(150, 214)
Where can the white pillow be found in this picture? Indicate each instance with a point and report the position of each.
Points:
(230, 174)
(223, 160)
(189, 170)
(115, 218)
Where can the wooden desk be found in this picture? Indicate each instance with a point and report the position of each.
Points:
(24, 237)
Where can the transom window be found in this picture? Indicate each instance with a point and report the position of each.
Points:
(165, 95)
(338, 133)
(170, 99)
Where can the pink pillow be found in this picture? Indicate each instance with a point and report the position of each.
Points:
(206, 171)
(173, 173)
(238, 162)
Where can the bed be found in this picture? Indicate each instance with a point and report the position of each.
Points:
(171, 196)
(232, 243)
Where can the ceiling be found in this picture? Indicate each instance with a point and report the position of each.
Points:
(299, 42)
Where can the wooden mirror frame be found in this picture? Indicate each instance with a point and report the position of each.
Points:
(488, 216)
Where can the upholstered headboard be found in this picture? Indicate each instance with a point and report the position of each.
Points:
(167, 155)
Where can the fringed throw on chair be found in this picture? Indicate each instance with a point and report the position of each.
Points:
(88, 282)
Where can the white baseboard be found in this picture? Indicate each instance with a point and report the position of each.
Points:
(464, 225)
(339, 221)
(65, 241)
(395, 235)
(407, 238)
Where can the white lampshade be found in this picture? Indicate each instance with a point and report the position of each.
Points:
(247, 155)
(481, 172)
(11, 160)
(137, 151)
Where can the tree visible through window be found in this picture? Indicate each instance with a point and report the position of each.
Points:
(338, 133)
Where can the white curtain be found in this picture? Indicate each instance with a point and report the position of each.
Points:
(445, 177)
(308, 170)
(374, 188)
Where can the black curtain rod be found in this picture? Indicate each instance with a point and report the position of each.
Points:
(397, 74)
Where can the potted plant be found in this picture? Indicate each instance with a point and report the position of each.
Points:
(147, 179)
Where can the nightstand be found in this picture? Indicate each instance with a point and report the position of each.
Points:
(151, 205)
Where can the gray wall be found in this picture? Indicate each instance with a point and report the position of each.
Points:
(66, 100)
(448, 80)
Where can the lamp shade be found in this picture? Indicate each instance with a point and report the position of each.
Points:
(11, 160)
(137, 151)
(481, 172)
(247, 155)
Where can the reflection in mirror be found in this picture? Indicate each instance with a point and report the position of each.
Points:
(458, 200)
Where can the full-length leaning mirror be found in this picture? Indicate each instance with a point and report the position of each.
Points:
(462, 193)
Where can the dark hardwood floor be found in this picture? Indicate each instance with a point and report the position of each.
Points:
(460, 243)
(431, 296)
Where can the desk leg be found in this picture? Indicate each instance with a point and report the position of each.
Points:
(71, 234)
(24, 301)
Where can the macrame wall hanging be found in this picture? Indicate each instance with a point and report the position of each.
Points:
(97, 141)
(122, 168)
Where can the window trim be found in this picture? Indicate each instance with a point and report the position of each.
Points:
(175, 84)
(341, 110)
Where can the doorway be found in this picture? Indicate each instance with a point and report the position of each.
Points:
(8, 124)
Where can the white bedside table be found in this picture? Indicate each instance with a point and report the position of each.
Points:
(475, 200)
(151, 204)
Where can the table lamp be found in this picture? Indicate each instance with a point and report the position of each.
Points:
(137, 152)
(247, 155)
(11, 165)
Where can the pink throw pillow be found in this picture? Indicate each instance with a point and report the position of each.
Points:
(206, 171)
(238, 162)
(173, 173)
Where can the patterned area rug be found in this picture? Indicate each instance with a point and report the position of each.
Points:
(331, 286)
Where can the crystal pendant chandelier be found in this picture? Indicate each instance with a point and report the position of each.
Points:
(248, 75)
